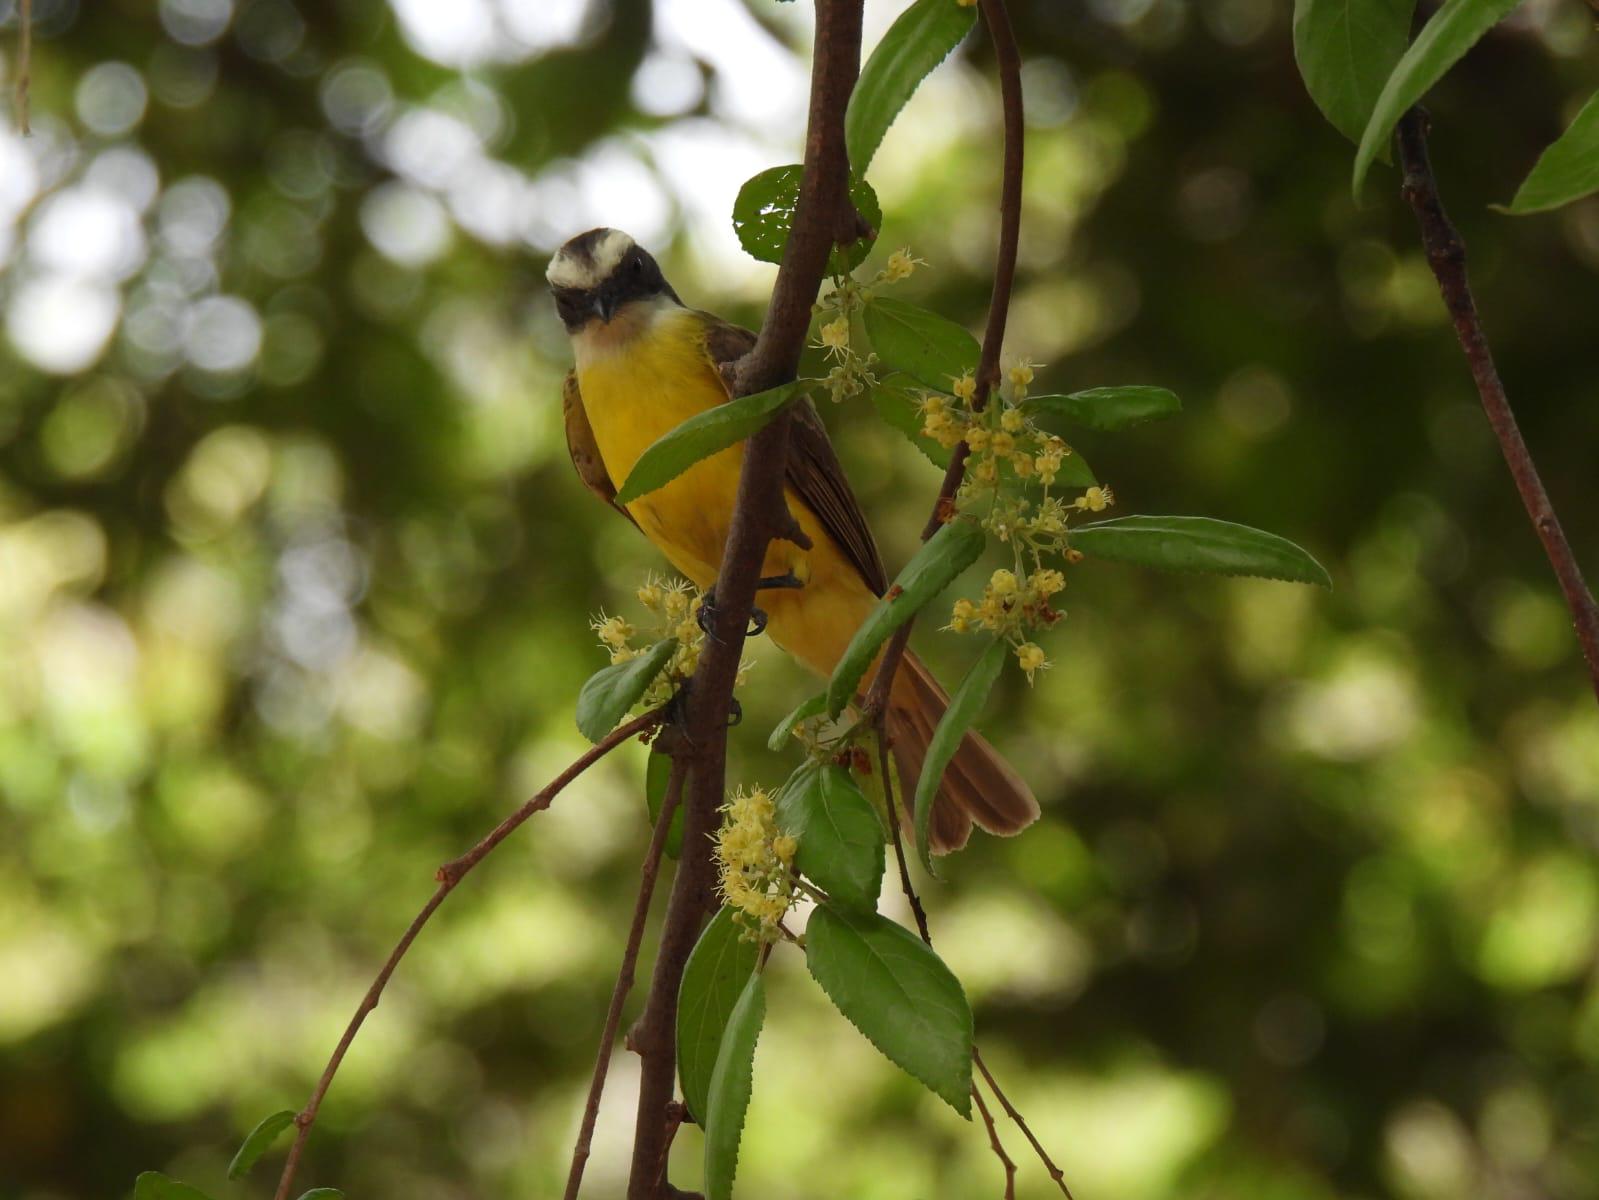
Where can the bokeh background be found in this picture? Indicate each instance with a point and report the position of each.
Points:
(294, 582)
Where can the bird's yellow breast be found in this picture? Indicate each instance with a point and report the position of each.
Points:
(641, 376)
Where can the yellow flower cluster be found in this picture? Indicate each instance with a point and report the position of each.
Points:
(672, 608)
(852, 373)
(754, 859)
(1007, 452)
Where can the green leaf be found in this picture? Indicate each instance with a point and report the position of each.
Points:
(1346, 49)
(611, 691)
(1109, 409)
(897, 401)
(1453, 29)
(1568, 170)
(804, 712)
(920, 39)
(840, 837)
(731, 1085)
(657, 774)
(1199, 544)
(899, 994)
(942, 557)
(701, 436)
(152, 1185)
(963, 708)
(258, 1143)
(763, 217)
(323, 1194)
(712, 980)
(931, 349)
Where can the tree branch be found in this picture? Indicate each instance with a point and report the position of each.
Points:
(761, 513)
(24, 85)
(1009, 61)
(624, 978)
(448, 875)
(997, 1146)
(1446, 255)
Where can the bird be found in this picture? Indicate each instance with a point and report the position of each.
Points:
(644, 362)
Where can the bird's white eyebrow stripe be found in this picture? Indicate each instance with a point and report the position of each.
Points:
(574, 271)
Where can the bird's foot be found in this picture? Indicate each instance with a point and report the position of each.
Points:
(706, 617)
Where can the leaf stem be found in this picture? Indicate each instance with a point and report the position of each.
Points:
(1446, 255)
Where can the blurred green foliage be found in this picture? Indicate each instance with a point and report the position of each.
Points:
(294, 579)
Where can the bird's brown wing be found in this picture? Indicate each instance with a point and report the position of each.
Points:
(584, 450)
(814, 471)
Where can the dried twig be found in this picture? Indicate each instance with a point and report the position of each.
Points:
(624, 979)
(996, 1145)
(760, 515)
(1446, 255)
(1055, 1172)
(450, 874)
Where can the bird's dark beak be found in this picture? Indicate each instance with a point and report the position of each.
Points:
(604, 306)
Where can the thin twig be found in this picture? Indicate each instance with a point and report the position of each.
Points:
(1446, 255)
(1055, 1172)
(759, 515)
(1011, 1111)
(24, 67)
(448, 875)
(1009, 62)
(624, 978)
(996, 1145)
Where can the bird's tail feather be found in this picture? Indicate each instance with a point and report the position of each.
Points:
(978, 786)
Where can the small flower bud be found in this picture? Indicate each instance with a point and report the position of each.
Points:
(1003, 583)
(1012, 420)
(965, 387)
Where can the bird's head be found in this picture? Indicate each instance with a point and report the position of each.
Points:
(598, 274)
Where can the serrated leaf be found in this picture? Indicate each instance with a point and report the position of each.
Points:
(931, 349)
(1199, 544)
(657, 775)
(1346, 50)
(258, 1142)
(1453, 29)
(701, 436)
(784, 729)
(840, 837)
(731, 1085)
(919, 39)
(611, 691)
(964, 706)
(897, 400)
(941, 558)
(1568, 170)
(152, 1185)
(899, 994)
(1109, 409)
(717, 969)
(763, 217)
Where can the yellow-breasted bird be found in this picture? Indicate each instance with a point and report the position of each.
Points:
(645, 363)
